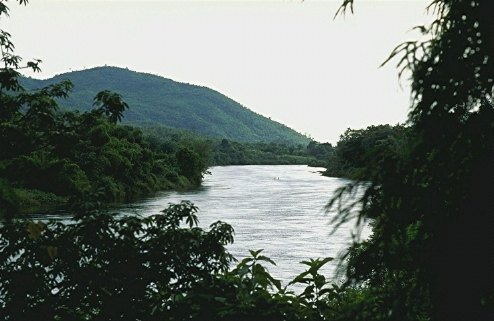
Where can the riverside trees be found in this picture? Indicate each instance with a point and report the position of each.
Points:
(431, 254)
(429, 258)
(87, 157)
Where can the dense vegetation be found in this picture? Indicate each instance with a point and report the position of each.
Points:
(156, 100)
(162, 267)
(430, 203)
(431, 256)
(359, 151)
(225, 152)
(234, 153)
(55, 156)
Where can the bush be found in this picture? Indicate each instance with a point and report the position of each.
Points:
(103, 267)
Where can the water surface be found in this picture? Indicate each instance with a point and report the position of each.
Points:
(276, 208)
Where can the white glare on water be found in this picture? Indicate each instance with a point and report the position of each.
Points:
(276, 208)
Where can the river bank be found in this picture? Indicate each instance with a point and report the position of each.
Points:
(280, 209)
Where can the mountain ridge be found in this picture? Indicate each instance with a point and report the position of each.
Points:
(158, 100)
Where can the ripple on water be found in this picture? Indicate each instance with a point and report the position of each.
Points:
(276, 208)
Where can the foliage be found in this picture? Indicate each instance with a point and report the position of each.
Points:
(102, 267)
(190, 165)
(431, 254)
(82, 155)
(107, 268)
(320, 152)
(8, 200)
(30, 200)
(161, 267)
(87, 158)
(228, 152)
(360, 150)
(111, 104)
(156, 100)
(428, 195)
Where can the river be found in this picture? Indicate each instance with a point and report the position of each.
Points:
(276, 208)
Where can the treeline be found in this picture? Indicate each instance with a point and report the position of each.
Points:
(54, 157)
(228, 152)
(359, 151)
(69, 157)
(234, 153)
(156, 100)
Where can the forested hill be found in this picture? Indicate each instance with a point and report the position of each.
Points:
(153, 99)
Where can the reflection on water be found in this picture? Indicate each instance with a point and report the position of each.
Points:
(276, 208)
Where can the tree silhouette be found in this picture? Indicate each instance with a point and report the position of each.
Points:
(110, 104)
(432, 252)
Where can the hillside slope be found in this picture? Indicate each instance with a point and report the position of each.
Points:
(153, 99)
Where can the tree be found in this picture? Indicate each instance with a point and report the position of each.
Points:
(432, 250)
(110, 104)
(190, 165)
(11, 63)
(108, 268)
(364, 148)
(84, 158)
(12, 136)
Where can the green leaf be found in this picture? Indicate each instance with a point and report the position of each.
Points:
(255, 253)
(319, 281)
(266, 259)
(220, 299)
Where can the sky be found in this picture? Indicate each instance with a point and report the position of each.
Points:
(287, 60)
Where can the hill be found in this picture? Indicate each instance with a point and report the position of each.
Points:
(157, 100)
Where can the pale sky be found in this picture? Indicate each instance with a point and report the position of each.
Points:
(288, 60)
